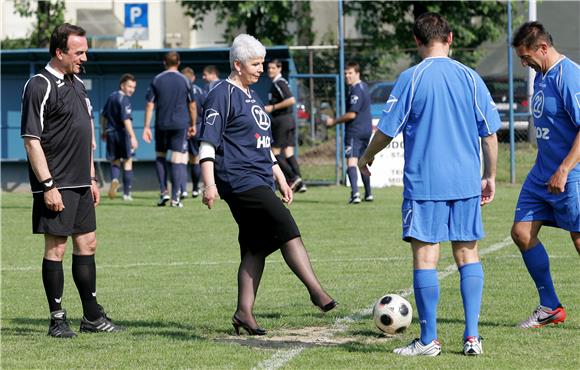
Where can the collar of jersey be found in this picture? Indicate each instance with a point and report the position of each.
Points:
(279, 76)
(54, 72)
(552, 67)
(436, 58)
(245, 92)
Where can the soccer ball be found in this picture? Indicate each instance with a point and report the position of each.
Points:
(392, 314)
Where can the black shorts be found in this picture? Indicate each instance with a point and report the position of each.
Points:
(174, 140)
(355, 147)
(118, 145)
(283, 131)
(265, 224)
(77, 217)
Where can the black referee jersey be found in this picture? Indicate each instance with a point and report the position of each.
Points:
(279, 92)
(56, 110)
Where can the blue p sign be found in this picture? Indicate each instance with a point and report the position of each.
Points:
(136, 16)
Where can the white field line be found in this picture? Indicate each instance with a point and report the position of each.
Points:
(282, 357)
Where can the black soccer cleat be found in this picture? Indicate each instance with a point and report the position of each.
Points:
(59, 325)
(102, 324)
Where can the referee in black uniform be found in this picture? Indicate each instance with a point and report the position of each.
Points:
(57, 133)
(283, 126)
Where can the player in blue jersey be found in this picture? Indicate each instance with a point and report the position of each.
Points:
(175, 114)
(358, 129)
(237, 161)
(549, 196)
(193, 142)
(442, 108)
(117, 131)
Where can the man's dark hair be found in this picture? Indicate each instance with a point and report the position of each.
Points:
(276, 62)
(353, 65)
(211, 69)
(60, 34)
(431, 27)
(126, 77)
(172, 59)
(529, 34)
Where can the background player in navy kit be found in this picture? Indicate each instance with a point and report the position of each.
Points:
(57, 133)
(117, 130)
(175, 113)
(237, 161)
(283, 125)
(442, 108)
(358, 129)
(211, 76)
(193, 142)
(549, 196)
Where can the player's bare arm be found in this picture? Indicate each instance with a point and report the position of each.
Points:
(103, 123)
(37, 159)
(489, 149)
(147, 125)
(129, 127)
(282, 105)
(191, 131)
(557, 182)
(378, 143)
(348, 116)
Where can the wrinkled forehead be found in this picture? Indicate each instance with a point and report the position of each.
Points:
(76, 43)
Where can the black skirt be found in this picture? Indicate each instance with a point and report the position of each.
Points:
(264, 222)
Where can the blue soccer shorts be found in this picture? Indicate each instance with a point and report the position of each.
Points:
(355, 147)
(536, 203)
(439, 221)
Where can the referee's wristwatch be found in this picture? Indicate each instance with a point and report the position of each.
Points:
(48, 184)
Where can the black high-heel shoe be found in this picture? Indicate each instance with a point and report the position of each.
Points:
(327, 307)
(237, 324)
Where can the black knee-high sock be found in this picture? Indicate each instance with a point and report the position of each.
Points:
(367, 183)
(294, 164)
(195, 175)
(85, 276)
(161, 170)
(285, 167)
(53, 280)
(353, 178)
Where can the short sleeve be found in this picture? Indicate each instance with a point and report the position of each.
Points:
(570, 90)
(126, 109)
(397, 108)
(355, 101)
(151, 95)
(487, 116)
(34, 100)
(215, 113)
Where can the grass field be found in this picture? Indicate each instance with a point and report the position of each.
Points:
(169, 275)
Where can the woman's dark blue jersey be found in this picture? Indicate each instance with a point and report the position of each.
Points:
(359, 102)
(117, 109)
(236, 124)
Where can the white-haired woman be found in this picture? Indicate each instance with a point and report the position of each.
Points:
(237, 163)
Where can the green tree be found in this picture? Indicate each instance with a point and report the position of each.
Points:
(387, 30)
(49, 14)
(270, 21)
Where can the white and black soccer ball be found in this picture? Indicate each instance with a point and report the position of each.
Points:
(392, 314)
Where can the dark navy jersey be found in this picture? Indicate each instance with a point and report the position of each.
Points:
(55, 110)
(236, 124)
(171, 92)
(117, 109)
(210, 85)
(359, 102)
(199, 97)
(279, 92)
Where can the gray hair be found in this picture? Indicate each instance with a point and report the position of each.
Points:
(244, 48)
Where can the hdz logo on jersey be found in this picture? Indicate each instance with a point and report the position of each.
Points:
(538, 104)
(210, 116)
(261, 117)
(262, 141)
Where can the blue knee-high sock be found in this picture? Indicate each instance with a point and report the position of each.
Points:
(178, 172)
(115, 172)
(127, 181)
(353, 178)
(160, 169)
(183, 177)
(538, 265)
(426, 287)
(195, 175)
(471, 292)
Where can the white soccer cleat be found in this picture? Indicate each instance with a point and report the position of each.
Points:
(127, 197)
(472, 346)
(416, 348)
(544, 316)
(354, 199)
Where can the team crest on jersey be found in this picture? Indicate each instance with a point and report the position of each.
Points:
(353, 99)
(262, 118)
(538, 104)
(210, 116)
(391, 101)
